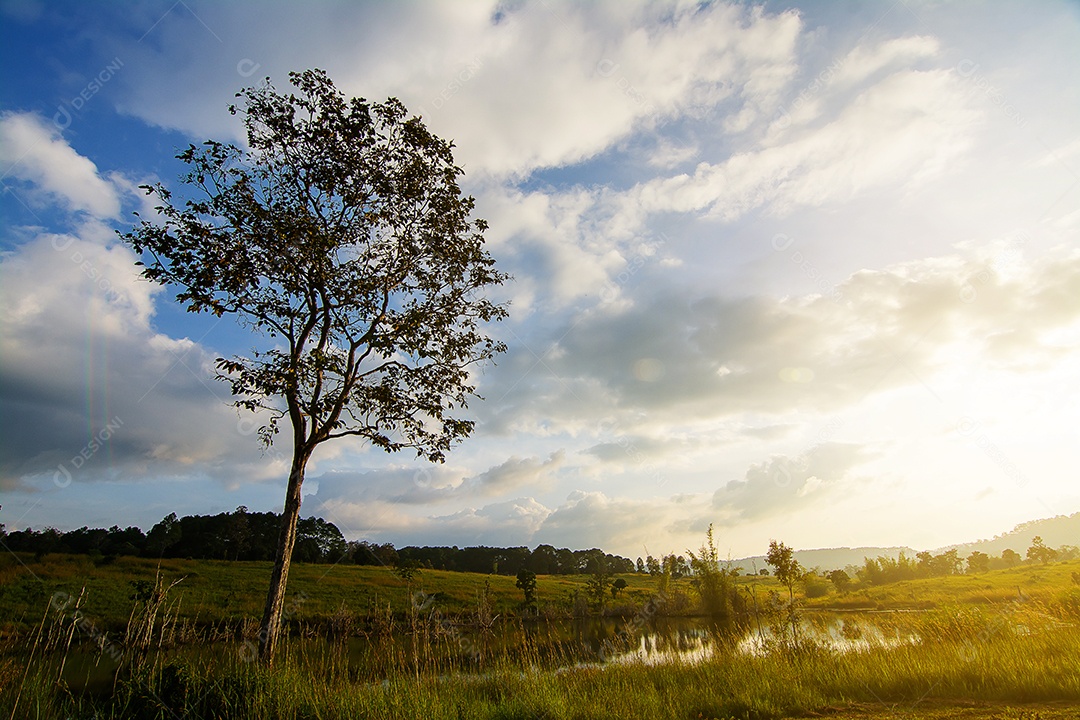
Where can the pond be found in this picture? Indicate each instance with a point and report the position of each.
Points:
(442, 647)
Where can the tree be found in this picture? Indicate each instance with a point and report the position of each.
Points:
(1039, 552)
(1010, 557)
(163, 535)
(714, 585)
(407, 570)
(785, 567)
(526, 583)
(978, 562)
(544, 560)
(597, 587)
(1065, 552)
(341, 235)
(616, 587)
(598, 583)
(237, 534)
(840, 579)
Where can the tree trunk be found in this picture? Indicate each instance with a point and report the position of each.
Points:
(275, 597)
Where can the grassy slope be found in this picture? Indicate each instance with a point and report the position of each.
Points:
(214, 590)
(997, 586)
(993, 659)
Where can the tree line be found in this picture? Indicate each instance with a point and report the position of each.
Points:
(883, 569)
(239, 535)
(252, 536)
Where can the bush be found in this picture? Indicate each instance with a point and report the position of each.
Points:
(815, 588)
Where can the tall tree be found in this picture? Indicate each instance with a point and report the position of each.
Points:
(340, 234)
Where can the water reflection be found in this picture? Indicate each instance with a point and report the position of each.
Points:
(538, 644)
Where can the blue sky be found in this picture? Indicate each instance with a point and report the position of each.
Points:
(807, 273)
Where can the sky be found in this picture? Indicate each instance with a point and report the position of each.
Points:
(806, 272)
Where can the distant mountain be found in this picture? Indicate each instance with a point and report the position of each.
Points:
(826, 558)
(1055, 532)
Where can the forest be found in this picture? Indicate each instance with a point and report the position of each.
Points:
(252, 536)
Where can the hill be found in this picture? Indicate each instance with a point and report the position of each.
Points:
(1055, 532)
(826, 558)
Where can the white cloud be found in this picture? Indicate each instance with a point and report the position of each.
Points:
(80, 355)
(901, 131)
(867, 60)
(520, 87)
(427, 484)
(718, 356)
(592, 519)
(83, 363)
(783, 483)
(32, 150)
(516, 473)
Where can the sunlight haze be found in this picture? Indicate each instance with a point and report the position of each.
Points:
(807, 272)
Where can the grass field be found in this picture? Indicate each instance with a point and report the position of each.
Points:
(214, 591)
(1003, 645)
(997, 586)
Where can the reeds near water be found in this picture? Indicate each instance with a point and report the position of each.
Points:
(431, 666)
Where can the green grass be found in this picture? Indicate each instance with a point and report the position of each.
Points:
(975, 663)
(1003, 645)
(218, 591)
(214, 591)
(996, 586)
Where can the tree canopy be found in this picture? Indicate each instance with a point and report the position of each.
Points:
(341, 233)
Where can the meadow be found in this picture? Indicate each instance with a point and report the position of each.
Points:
(1003, 644)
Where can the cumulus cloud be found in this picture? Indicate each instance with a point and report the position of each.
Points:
(516, 473)
(94, 392)
(900, 131)
(80, 357)
(433, 484)
(782, 483)
(360, 511)
(519, 87)
(714, 356)
(34, 152)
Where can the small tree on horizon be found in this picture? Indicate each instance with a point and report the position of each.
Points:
(840, 579)
(713, 583)
(978, 562)
(596, 587)
(785, 567)
(1010, 558)
(339, 234)
(1039, 552)
(526, 582)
